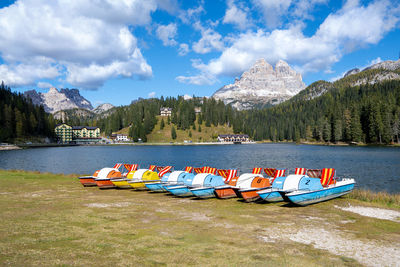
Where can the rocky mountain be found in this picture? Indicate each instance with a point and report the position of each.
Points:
(69, 114)
(55, 100)
(352, 71)
(380, 72)
(386, 65)
(102, 108)
(262, 85)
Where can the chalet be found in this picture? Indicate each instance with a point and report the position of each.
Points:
(119, 137)
(233, 138)
(197, 110)
(166, 112)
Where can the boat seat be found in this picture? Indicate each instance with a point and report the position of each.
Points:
(327, 176)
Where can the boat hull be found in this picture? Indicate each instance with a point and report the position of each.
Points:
(250, 195)
(104, 183)
(204, 192)
(121, 183)
(223, 193)
(270, 196)
(87, 181)
(137, 185)
(306, 198)
(155, 187)
(180, 191)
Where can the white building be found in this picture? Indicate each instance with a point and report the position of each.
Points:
(119, 137)
(166, 112)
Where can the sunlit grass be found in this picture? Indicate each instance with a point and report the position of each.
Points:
(391, 200)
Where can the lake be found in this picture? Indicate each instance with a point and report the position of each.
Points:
(374, 168)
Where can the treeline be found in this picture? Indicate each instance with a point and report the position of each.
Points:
(366, 113)
(20, 119)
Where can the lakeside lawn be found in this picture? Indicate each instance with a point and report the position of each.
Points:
(51, 220)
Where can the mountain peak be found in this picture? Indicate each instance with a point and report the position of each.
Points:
(55, 100)
(262, 85)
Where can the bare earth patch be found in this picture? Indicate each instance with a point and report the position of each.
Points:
(108, 205)
(369, 253)
(378, 213)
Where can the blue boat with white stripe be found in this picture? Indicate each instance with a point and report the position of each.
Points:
(312, 191)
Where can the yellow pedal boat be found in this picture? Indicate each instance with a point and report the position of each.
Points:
(137, 179)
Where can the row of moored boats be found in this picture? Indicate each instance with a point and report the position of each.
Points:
(303, 187)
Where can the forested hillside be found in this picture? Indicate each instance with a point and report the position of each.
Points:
(141, 118)
(20, 119)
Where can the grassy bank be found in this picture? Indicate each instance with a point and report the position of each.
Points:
(52, 220)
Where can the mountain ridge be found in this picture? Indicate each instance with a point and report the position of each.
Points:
(262, 85)
(64, 99)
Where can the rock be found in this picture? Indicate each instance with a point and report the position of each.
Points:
(102, 108)
(262, 85)
(55, 100)
(351, 72)
(387, 65)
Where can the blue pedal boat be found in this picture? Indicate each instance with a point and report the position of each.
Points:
(281, 184)
(207, 189)
(190, 182)
(311, 191)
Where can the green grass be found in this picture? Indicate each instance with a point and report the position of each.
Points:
(390, 200)
(47, 220)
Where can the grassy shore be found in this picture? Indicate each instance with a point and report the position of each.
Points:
(51, 220)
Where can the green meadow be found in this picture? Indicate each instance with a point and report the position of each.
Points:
(51, 220)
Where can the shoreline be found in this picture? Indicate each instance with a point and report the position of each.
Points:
(341, 144)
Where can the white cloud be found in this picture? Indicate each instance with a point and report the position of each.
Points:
(95, 37)
(236, 15)
(167, 33)
(151, 94)
(27, 74)
(192, 14)
(351, 27)
(210, 41)
(183, 49)
(44, 85)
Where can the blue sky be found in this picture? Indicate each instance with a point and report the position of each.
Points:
(117, 51)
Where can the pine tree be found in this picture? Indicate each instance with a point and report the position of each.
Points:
(173, 133)
(19, 124)
(190, 134)
(337, 131)
(162, 124)
(355, 128)
(199, 128)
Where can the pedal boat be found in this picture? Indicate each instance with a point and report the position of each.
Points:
(103, 179)
(189, 182)
(281, 184)
(140, 177)
(89, 180)
(206, 190)
(230, 190)
(313, 192)
(248, 188)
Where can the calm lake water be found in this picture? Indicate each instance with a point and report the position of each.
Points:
(374, 168)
